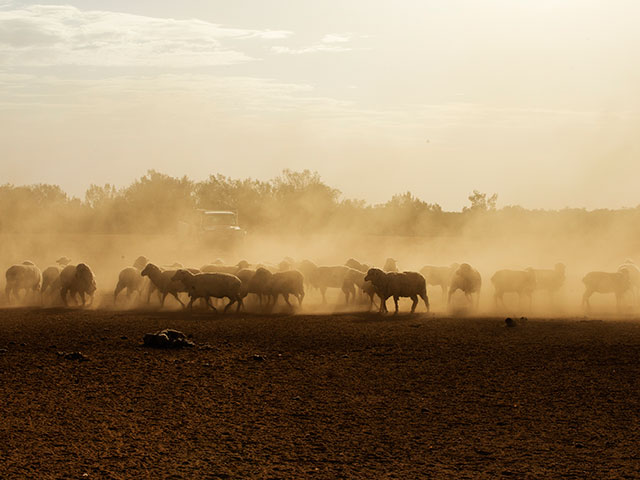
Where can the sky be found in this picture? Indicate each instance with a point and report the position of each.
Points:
(535, 100)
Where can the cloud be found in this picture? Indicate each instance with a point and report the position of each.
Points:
(336, 38)
(331, 42)
(54, 35)
(311, 49)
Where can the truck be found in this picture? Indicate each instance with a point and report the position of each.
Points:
(216, 227)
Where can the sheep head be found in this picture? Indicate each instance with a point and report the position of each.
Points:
(85, 275)
(149, 269)
(375, 276)
(181, 275)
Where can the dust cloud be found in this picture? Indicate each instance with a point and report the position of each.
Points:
(296, 215)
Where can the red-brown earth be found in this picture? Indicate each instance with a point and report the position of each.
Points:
(333, 396)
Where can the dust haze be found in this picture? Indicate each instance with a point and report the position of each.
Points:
(297, 216)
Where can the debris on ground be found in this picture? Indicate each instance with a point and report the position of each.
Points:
(510, 322)
(167, 338)
(74, 356)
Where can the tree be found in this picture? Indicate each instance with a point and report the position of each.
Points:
(480, 202)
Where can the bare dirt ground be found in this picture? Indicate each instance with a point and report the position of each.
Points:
(334, 396)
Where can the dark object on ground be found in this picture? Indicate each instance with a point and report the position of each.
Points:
(167, 338)
(258, 358)
(510, 322)
(74, 356)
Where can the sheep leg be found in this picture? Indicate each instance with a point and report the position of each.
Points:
(395, 301)
(7, 292)
(164, 295)
(211, 305)
(191, 300)
(451, 292)
(300, 298)
(415, 302)
(286, 299)
(63, 295)
(425, 298)
(240, 303)
(231, 302)
(175, 295)
(119, 288)
(323, 290)
(619, 296)
(585, 298)
(82, 298)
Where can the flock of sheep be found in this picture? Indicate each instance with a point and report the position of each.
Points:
(267, 283)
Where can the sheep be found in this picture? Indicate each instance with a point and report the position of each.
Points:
(522, 282)
(130, 279)
(25, 276)
(356, 265)
(467, 279)
(286, 283)
(207, 285)
(390, 265)
(370, 291)
(634, 278)
(77, 279)
(258, 283)
(550, 280)
(338, 276)
(163, 281)
(286, 264)
(440, 276)
(605, 282)
(396, 285)
(63, 261)
(245, 275)
(141, 262)
(307, 268)
(215, 268)
(50, 281)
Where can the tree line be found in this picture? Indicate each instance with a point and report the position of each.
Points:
(296, 202)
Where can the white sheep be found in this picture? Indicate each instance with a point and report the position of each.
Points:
(439, 276)
(217, 268)
(131, 280)
(307, 268)
(522, 282)
(337, 276)
(390, 265)
(258, 283)
(25, 276)
(634, 278)
(141, 262)
(286, 264)
(286, 283)
(50, 277)
(77, 279)
(550, 280)
(207, 285)
(245, 275)
(467, 279)
(164, 283)
(396, 285)
(356, 265)
(605, 282)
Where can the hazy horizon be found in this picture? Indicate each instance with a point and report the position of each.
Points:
(535, 101)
